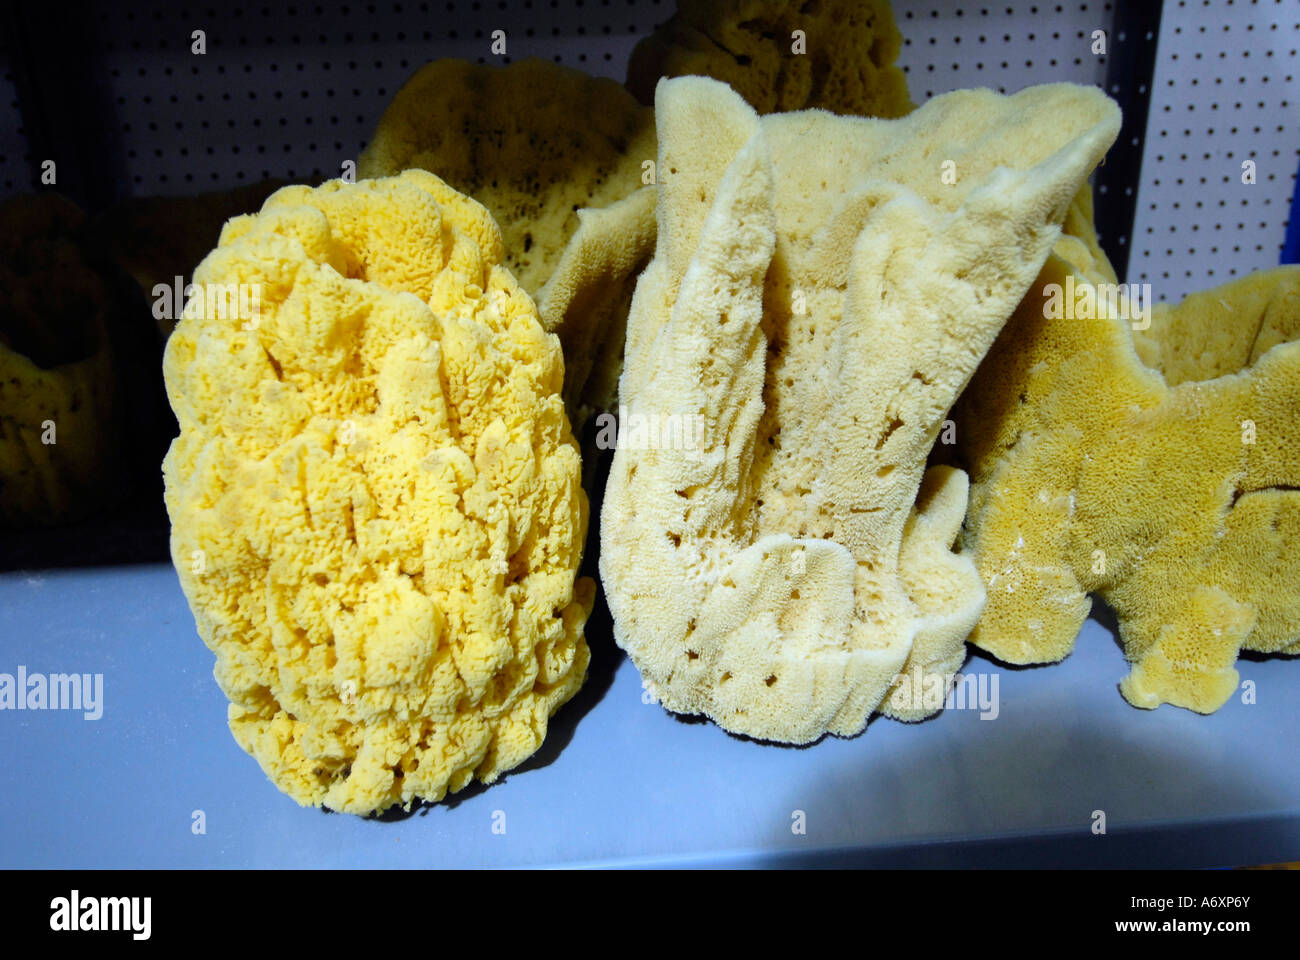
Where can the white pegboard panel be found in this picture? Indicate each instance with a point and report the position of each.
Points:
(949, 44)
(1225, 90)
(293, 91)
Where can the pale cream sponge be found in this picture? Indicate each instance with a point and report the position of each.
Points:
(819, 295)
(375, 501)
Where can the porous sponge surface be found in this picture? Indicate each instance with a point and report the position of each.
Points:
(534, 142)
(842, 57)
(1175, 497)
(817, 299)
(375, 500)
(557, 157)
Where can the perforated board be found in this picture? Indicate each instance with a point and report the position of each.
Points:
(1225, 91)
(15, 163)
(292, 92)
(314, 77)
(1005, 46)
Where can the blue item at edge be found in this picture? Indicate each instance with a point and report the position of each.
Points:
(1291, 245)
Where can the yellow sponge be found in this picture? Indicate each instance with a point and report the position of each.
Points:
(780, 56)
(58, 424)
(375, 501)
(557, 158)
(1174, 497)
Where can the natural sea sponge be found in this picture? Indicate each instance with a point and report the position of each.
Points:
(818, 297)
(1223, 330)
(848, 68)
(1079, 228)
(1170, 490)
(586, 300)
(846, 64)
(375, 500)
(556, 156)
(58, 417)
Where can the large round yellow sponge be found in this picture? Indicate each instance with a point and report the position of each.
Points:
(375, 500)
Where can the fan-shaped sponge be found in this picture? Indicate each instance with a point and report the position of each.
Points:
(818, 297)
(837, 55)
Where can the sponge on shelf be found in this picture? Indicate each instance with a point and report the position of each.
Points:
(818, 298)
(1175, 497)
(375, 500)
